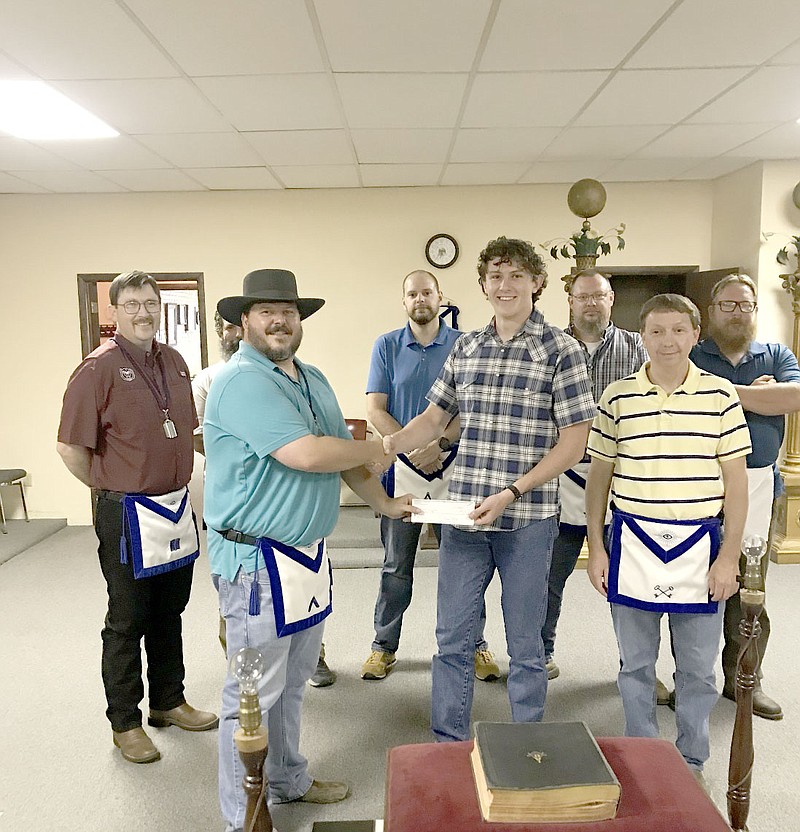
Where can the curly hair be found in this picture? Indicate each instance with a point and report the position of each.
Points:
(520, 252)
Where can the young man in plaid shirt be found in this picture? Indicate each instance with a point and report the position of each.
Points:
(521, 390)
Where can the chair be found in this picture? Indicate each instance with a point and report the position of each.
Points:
(12, 476)
(358, 428)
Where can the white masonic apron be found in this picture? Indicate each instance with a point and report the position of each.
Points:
(301, 584)
(662, 565)
(161, 532)
(760, 491)
(572, 496)
(403, 478)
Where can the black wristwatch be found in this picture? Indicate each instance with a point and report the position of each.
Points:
(515, 491)
(444, 443)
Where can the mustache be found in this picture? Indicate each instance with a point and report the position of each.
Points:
(277, 329)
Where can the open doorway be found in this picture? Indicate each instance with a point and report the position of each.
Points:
(183, 320)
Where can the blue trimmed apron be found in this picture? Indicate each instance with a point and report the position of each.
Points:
(403, 478)
(662, 565)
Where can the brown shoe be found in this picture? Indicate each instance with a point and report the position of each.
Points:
(662, 693)
(764, 706)
(184, 716)
(136, 746)
(325, 791)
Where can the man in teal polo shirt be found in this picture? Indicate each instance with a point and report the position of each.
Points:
(276, 445)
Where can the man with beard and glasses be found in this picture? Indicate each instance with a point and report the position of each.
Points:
(611, 354)
(404, 365)
(520, 388)
(229, 337)
(767, 379)
(276, 446)
(126, 432)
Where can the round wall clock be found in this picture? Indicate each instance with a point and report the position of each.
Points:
(441, 251)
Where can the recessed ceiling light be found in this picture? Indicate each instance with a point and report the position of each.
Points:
(33, 110)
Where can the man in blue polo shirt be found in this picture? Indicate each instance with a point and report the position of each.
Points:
(276, 444)
(404, 365)
(767, 379)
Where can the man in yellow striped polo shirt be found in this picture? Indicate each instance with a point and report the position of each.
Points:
(670, 443)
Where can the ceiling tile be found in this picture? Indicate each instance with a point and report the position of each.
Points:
(153, 180)
(401, 146)
(541, 99)
(541, 34)
(415, 35)
(302, 147)
(17, 154)
(789, 56)
(657, 96)
(648, 170)
(714, 168)
(108, 154)
(695, 140)
(237, 37)
(713, 33)
(391, 176)
(391, 100)
(566, 171)
(518, 144)
(147, 106)
(770, 94)
(781, 143)
(202, 150)
(80, 39)
(601, 142)
(318, 176)
(73, 181)
(497, 173)
(274, 102)
(14, 185)
(234, 179)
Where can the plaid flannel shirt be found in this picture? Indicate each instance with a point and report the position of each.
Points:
(512, 398)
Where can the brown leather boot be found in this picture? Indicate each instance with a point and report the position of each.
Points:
(184, 716)
(136, 746)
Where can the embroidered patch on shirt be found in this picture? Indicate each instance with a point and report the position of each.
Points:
(127, 374)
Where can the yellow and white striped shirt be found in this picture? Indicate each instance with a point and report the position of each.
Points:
(667, 449)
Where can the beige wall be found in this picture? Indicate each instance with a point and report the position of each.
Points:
(351, 247)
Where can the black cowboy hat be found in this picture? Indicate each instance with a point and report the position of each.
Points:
(266, 285)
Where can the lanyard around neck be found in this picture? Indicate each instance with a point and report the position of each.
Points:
(162, 399)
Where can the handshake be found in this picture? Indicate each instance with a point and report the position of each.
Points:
(382, 458)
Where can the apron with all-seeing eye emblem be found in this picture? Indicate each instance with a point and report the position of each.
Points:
(662, 565)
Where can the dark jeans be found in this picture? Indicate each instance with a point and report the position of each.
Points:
(149, 608)
(566, 549)
(730, 630)
(397, 578)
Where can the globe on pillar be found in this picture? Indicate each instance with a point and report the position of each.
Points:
(796, 195)
(586, 198)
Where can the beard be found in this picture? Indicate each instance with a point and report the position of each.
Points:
(423, 314)
(277, 354)
(734, 336)
(228, 349)
(591, 329)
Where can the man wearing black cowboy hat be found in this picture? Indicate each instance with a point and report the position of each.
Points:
(276, 444)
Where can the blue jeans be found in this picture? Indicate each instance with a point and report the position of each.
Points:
(467, 562)
(566, 549)
(400, 542)
(290, 662)
(695, 647)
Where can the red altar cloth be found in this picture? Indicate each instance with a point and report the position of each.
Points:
(430, 788)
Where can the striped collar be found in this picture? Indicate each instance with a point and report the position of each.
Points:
(689, 385)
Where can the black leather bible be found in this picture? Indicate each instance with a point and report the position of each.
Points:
(542, 771)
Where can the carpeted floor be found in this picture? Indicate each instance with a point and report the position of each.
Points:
(60, 772)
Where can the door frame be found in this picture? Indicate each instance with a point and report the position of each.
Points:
(89, 312)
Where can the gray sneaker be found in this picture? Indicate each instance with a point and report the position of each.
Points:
(552, 668)
(323, 675)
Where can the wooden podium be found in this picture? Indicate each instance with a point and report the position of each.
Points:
(430, 788)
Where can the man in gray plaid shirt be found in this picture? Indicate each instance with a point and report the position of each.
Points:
(611, 354)
(521, 390)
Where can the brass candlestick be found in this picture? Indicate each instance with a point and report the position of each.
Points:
(247, 666)
(740, 769)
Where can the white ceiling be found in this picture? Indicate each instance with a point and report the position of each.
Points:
(271, 94)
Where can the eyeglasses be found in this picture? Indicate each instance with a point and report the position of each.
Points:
(596, 297)
(745, 306)
(132, 307)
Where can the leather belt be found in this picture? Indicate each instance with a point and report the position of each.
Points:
(239, 537)
(116, 496)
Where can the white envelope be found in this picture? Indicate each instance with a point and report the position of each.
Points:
(446, 512)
